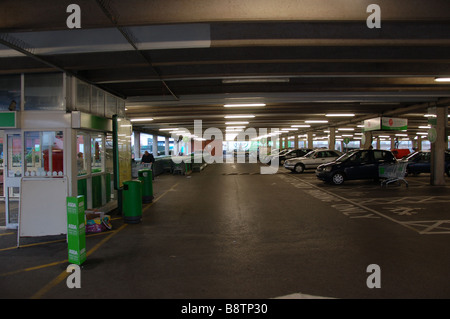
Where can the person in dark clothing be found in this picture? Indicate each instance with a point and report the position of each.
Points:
(147, 158)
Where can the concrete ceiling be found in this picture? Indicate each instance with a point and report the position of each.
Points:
(178, 61)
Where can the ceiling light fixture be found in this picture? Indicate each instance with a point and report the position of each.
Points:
(235, 127)
(304, 125)
(245, 105)
(235, 123)
(316, 121)
(239, 116)
(442, 79)
(340, 115)
(141, 120)
(168, 129)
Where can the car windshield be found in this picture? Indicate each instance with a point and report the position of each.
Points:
(346, 156)
(412, 156)
(310, 154)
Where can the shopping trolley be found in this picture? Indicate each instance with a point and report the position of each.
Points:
(392, 172)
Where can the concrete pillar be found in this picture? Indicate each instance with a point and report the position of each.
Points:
(137, 145)
(437, 137)
(419, 143)
(378, 143)
(332, 138)
(167, 143)
(367, 140)
(392, 142)
(296, 141)
(310, 140)
(155, 145)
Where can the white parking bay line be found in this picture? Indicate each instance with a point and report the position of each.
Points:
(356, 204)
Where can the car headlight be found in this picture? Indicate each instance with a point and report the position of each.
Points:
(327, 169)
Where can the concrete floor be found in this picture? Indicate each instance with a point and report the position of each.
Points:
(229, 232)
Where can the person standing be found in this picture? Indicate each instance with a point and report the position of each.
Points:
(147, 158)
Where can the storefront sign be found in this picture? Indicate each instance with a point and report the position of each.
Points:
(8, 119)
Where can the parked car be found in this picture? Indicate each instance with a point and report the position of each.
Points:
(400, 153)
(420, 162)
(354, 165)
(298, 152)
(277, 152)
(311, 160)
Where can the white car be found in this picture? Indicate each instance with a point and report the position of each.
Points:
(311, 160)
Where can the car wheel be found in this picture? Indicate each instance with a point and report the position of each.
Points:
(338, 178)
(299, 168)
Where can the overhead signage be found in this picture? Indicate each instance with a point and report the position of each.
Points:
(386, 124)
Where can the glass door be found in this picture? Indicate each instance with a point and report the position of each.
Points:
(11, 175)
(2, 195)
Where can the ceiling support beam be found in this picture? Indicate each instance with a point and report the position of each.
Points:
(20, 46)
(113, 17)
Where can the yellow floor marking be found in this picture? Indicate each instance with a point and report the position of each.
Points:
(64, 274)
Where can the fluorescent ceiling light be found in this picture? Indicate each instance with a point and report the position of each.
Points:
(316, 121)
(340, 115)
(168, 129)
(428, 126)
(235, 127)
(235, 123)
(401, 134)
(346, 129)
(238, 116)
(347, 135)
(245, 105)
(289, 129)
(233, 130)
(421, 133)
(442, 79)
(302, 125)
(141, 120)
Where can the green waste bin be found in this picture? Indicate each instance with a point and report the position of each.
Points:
(132, 201)
(145, 176)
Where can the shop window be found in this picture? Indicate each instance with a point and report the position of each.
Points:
(81, 154)
(44, 92)
(10, 93)
(109, 154)
(161, 145)
(44, 154)
(97, 154)
(146, 143)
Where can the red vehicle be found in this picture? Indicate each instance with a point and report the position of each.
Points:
(399, 153)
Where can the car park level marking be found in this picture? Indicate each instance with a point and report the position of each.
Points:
(357, 204)
(407, 200)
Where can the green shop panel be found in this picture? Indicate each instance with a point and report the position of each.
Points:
(82, 190)
(96, 191)
(108, 187)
